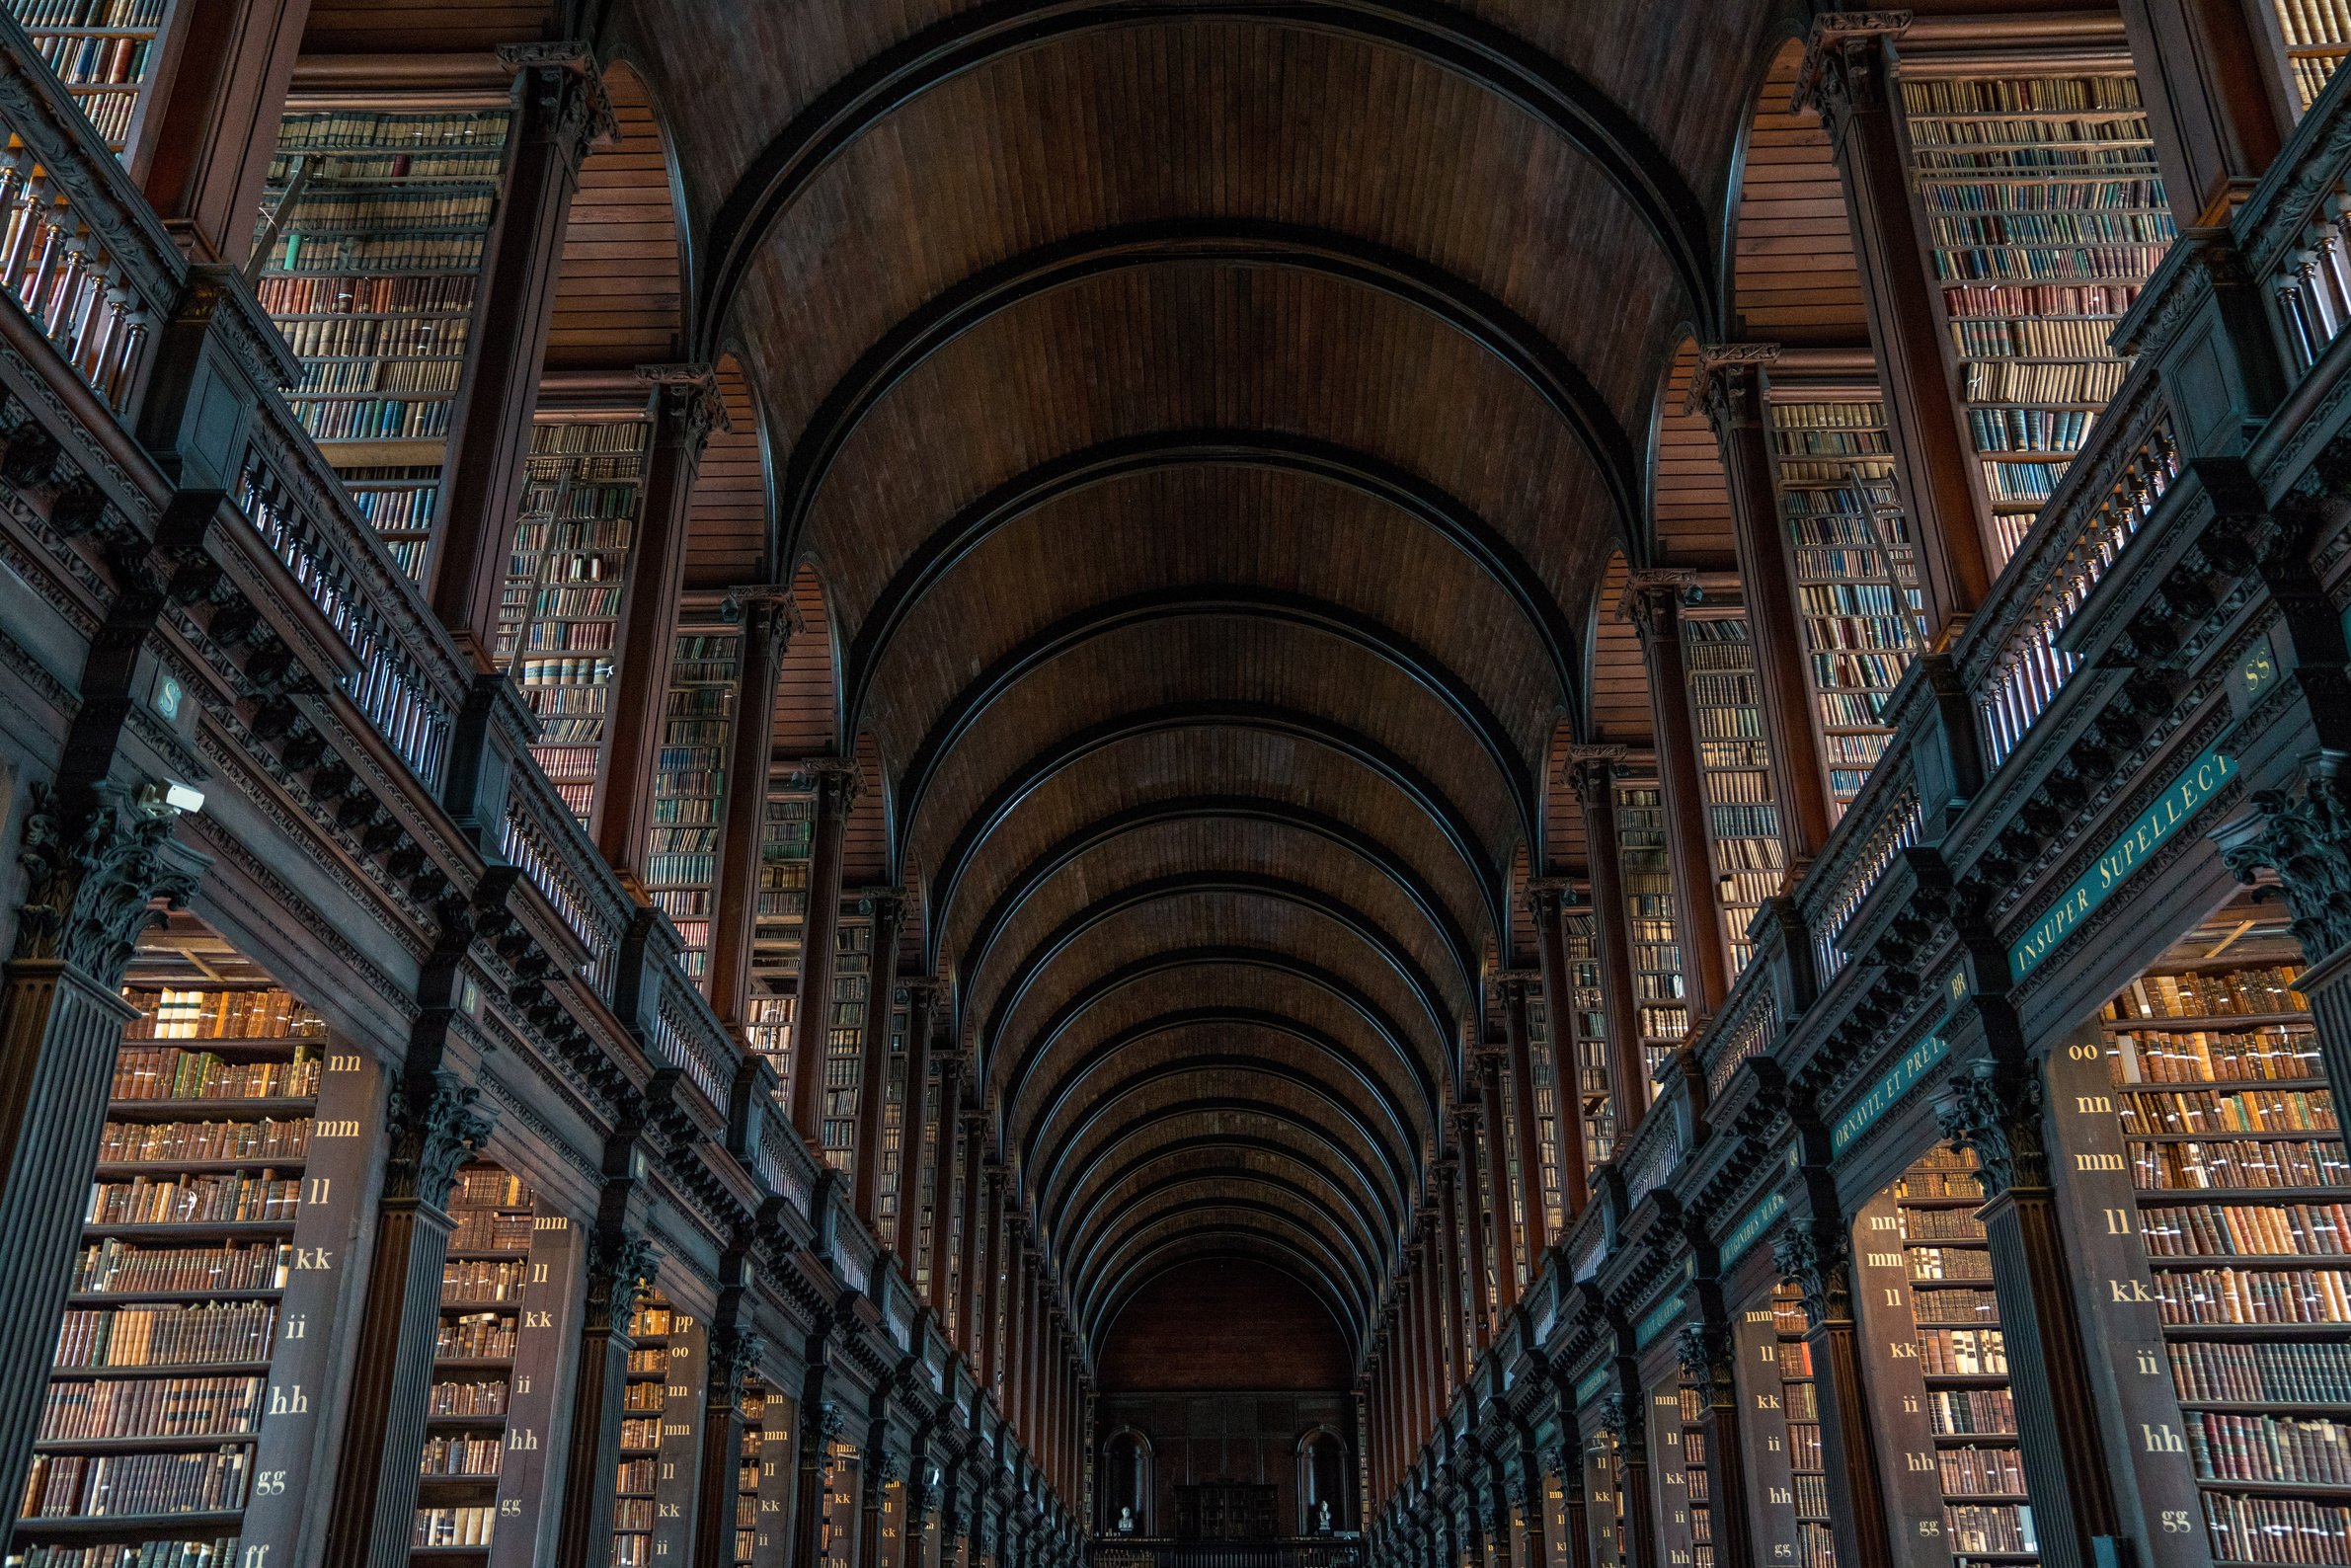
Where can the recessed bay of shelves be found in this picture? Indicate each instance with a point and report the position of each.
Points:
(1651, 924)
(2313, 35)
(2244, 1218)
(786, 842)
(484, 1278)
(1856, 572)
(1734, 771)
(375, 224)
(681, 855)
(844, 1040)
(1592, 1065)
(2045, 214)
(558, 615)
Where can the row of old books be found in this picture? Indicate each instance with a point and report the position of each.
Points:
(168, 1335)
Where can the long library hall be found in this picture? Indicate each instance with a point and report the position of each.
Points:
(1175, 784)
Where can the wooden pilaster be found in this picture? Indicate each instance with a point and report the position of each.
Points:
(1591, 773)
(836, 783)
(1546, 901)
(2215, 99)
(1653, 601)
(1501, 1138)
(215, 122)
(560, 113)
(886, 911)
(733, 1358)
(620, 1270)
(913, 1119)
(1816, 1254)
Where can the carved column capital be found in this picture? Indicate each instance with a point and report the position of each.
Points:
(734, 1360)
(1728, 385)
(883, 904)
(687, 405)
(1845, 65)
(2304, 836)
(1549, 894)
(1621, 1419)
(1705, 1351)
(1593, 771)
(1514, 986)
(1995, 1111)
(1653, 597)
(1818, 1260)
(568, 85)
(765, 610)
(620, 1273)
(835, 779)
(92, 872)
(435, 1127)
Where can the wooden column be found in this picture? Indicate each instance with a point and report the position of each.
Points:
(1592, 774)
(620, 1270)
(560, 113)
(1533, 1548)
(2215, 101)
(733, 1358)
(1815, 1252)
(913, 1120)
(1995, 1110)
(886, 911)
(1706, 1353)
(214, 116)
(1476, 1259)
(835, 782)
(434, 1125)
(874, 1477)
(821, 1426)
(946, 1171)
(1013, 1315)
(1653, 602)
(967, 1274)
(769, 621)
(1413, 1344)
(1534, 1224)
(989, 1295)
(1546, 901)
(94, 863)
(1455, 1271)
(1848, 76)
(1501, 1138)
(1732, 382)
(685, 409)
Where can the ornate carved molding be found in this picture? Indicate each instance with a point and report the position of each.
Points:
(2304, 837)
(1844, 66)
(1995, 1111)
(93, 873)
(1593, 770)
(434, 1128)
(1817, 1260)
(570, 86)
(620, 1273)
(687, 404)
(1728, 382)
(835, 779)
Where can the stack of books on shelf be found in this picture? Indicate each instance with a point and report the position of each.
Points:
(375, 221)
(844, 1042)
(2313, 35)
(786, 842)
(558, 615)
(2045, 216)
(1735, 770)
(483, 1278)
(1799, 1403)
(1653, 923)
(1592, 1064)
(104, 52)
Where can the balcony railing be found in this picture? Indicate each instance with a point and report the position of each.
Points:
(2294, 230)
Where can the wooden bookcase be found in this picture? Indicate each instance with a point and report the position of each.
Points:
(1542, 1073)
(1734, 771)
(186, 1381)
(559, 613)
(644, 1399)
(1652, 924)
(786, 844)
(1591, 1065)
(844, 1036)
(681, 853)
(2312, 36)
(374, 221)
(2045, 214)
(104, 52)
(1856, 569)
(483, 1284)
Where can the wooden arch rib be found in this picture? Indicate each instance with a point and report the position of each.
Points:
(1430, 802)
(1097, 1282)
(1391, 954)
(1337, 621)
(1070, 1223)
(1460, 304)
(1232, 956)
(1207, 1246)
(1488, 56)
(1257, 1192)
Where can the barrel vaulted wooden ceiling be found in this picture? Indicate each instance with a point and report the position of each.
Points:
(1207, 429)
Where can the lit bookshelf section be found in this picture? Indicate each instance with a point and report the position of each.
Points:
(2244, 1193)
(2045, 214)
(1856, 572)
(375, 224)
(1591, 1033)
(1542, 1073)
(483, 1282)
(104, 52)
(754, 1539)
(1651, 924)
(1735, 770)
(2313, 35)
(786, 844)
(681, 855)
(559, 613)
(892, 1180)
(656, 1331)
(1604, 1497)
(171, 1359)
(1788, 1480)
(844, 1037)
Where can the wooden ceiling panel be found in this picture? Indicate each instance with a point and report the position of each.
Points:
(618, 298)
(807, 691)
(1793, 276)
(423, 27)
(1621, 712)
(726, 542)
(1689, 499)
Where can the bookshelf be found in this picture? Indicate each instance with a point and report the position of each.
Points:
(1542, 1075)
(842, 1472)
(681, 855)
(644, 1398)
(1591, 1034)
(1734, 771)
(1962, 1358)
(1651, 924)
(2045, 214)
(1856, 572)
(1787, 1478)
(786, 844)
(893, 1177)
(559, 613)
(105, 52)
(844, 1037)
(1604, 1497)
(173, 1353)
(2311, 38)
(484, 1281)
(2243, 1197)
(752, 1537)
(374, 223)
